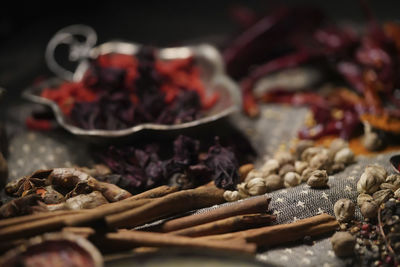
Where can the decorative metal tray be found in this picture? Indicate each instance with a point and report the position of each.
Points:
(206, 56)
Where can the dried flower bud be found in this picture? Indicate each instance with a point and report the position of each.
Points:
(273, 182)
(310, 152)
(363, 198)
(284, 157)
(301, 146)
(291, 179)
(285, 169)
(393, 179)
(345, 155)
(397, 193)
(231, 196)
(372, 141)
(377, 171)
(270, 166)
(306, 174)
(369, 209)
(244, 170)
(320, 161)
(318, 179)
(300, 166)
(382, 196)
(389, 186)
(253, 174)
(256, 187)
(368, 183)
(343, 244)
(344, 210)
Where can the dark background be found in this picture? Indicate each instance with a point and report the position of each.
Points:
(26, 27)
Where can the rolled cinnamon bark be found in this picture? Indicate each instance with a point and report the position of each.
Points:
(257, 204)
(154, 193)
(169, 205)
(227, 225)
(283, 233)
(131, 239)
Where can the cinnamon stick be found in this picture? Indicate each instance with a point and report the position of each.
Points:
(257, 204)
(171, 204)
(283, 233)
(227, 225)
(131, 239)
(154, 193)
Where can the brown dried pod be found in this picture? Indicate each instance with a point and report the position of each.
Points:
(244, 170)
(67, 178)
(382, 196)
(62, 249)
(26, 183)
(19, 206)
(273, 182)
(97, 170)
(3, 171)
(50, 195)
(301, 146)
(318, 179)
(369, 209)
(111, 192)
(363, 198)
(344, 210)
(389, 186)
(285, 169)
(343, 244)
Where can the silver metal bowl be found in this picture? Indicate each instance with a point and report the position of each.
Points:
(206, 56)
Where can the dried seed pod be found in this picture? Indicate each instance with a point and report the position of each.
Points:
(242, 190)
(291, 179)
(231, 196)
(344, 210)
(368, 183)
(343, 244)
(270, 166)
(318, 179)
(306, 174)
(256, 187)
(320, 161)
(253, 174)
(372, 141)
(3, 171)
(377, 171)
(61, 249)
(67, 177)
(336, 167)
(19, 206)
(244, 170)
(345, 156)
(50, 195)
(393, 179)
(337, 145)
(111, 192)
(397, 193)
(300, 166)
(284, 157)
(389, 186)
(363, 198)
(98, 170)
(369, 209)
(382, 196)
(285, 169)
(310, 152)
(273, 182)
(301, 146)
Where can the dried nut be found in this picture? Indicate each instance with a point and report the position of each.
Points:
(318, 179)
(231, 195)
(343, 244)
(372, 141)
(337, 145)
(389, 186)
(368, 183)
(377, 171)
(300, 166)
(284, 157)
(393, 179)
(363, 198)
(306, 174)
(270, 166)
(285, 169)
(244, 170)
(310, 152)
(397, 193)
(291, 179)
(320, 161)
(253, 174)
(344, 210)
(256, 187)
(345, 155)
(382, 196)
(369, 209)
(273, 182)
(301, 146)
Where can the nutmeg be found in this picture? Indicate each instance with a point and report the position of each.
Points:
(291, 179)
(345, 156)
(231, 196)
(343, 244)
(363, 198)
(273, 182)
(369, 209)
(344, 210)
(318, 179)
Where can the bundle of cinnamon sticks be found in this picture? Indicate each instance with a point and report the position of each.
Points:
(239, 226)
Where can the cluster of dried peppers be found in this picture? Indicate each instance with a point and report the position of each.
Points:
(291, 37)
(120, 91)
